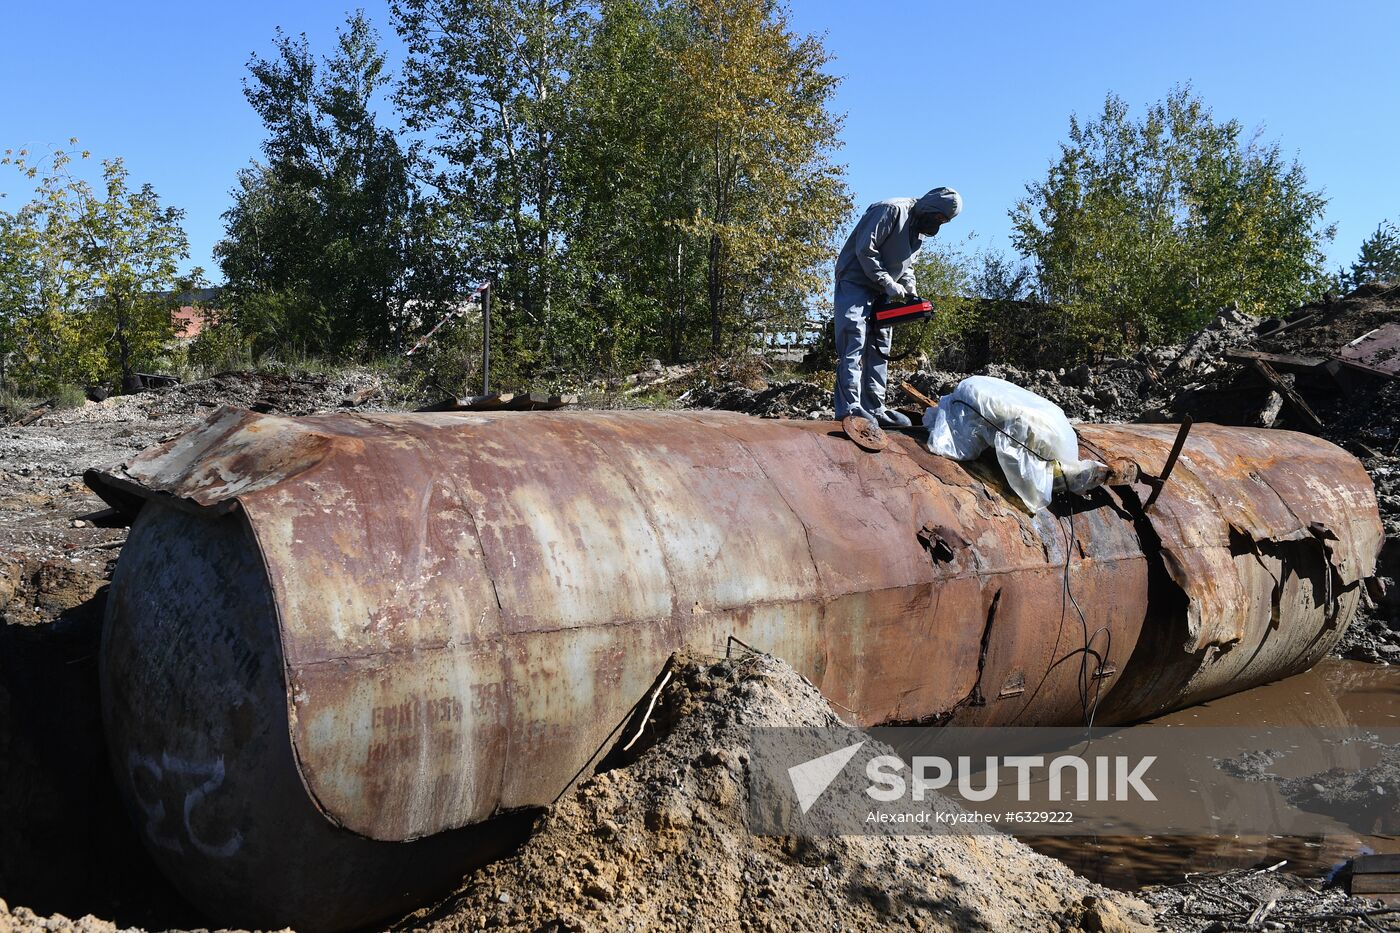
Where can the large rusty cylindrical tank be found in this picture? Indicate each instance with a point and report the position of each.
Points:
(340, 648)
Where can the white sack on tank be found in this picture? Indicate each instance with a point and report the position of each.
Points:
(1034, 441)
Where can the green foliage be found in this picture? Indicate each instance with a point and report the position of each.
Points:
(756, 113)
(1379, 260)
(644, 178)
(319, 243)
(1145, 228)
(221, 346)
(87, 276)
(491, 80)
(67, 395)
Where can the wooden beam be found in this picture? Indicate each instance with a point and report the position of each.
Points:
(1278, 360)
(918, 396)
(1295, 401)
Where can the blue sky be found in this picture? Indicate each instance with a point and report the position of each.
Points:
(972, 95)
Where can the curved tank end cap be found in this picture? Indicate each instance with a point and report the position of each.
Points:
(234, 452)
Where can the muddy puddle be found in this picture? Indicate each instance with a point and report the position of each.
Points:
(1334, 694)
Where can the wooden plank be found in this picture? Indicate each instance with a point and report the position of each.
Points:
(496, 401)
(1382, 864)
(1290, 396)
(918, 396)
(1277, 360)
(1375, 884)
(1306, 319)
(504, 401)
(541, 401)
(32, 416)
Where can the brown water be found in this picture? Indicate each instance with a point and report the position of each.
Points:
(1334, 693)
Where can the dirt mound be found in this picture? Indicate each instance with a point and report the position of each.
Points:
(271, 393)
(661, 842)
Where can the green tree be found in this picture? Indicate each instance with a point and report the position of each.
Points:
(1144, 228)
(757, 102)
(98, 267)
(318, 245)
(644, 176)
(19, 284)
(1379, 260)
(635, 181)
(489, 80)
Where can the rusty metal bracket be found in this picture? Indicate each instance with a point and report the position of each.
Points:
(866, 434)
(1167, 468)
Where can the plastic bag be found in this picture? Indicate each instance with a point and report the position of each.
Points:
(1034, 441)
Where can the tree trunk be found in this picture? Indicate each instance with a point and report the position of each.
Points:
(678, 290)
(123, 341)
(716, 291)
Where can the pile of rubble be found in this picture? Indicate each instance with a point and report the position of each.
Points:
(263, 392)
(782, 400)
(1264, 899)
(661, 842)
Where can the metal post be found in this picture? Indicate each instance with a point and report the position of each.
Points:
(486, 338)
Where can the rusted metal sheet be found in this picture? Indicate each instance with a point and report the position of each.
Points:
(458, 607)
(1377, 351)
(1267, 534)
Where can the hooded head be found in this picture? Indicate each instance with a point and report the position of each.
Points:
(940, 201)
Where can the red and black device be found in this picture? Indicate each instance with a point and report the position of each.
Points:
(901, 311)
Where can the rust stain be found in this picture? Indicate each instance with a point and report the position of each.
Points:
(467, 603)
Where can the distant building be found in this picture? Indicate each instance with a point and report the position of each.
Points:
(190, 315)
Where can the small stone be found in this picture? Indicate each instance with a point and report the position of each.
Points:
(599, 890)
(79, 523)
(503, 897)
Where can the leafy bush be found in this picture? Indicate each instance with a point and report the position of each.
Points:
(1146, 227)
(221, 346)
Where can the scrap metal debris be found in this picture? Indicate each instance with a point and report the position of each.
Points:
(1265, 899)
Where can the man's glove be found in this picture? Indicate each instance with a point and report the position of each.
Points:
(895, 292)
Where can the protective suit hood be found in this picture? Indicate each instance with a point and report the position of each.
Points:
(943, 201)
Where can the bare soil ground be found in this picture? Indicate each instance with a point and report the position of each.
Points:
(661, 842)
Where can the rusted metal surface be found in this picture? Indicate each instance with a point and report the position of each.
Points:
(1376, 352)
(1267, 534)
(461, 606)
(189, 676)
(866, 433)
(1159, 481)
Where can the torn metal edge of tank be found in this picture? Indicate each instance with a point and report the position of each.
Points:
(1219, 501)
(290, 474)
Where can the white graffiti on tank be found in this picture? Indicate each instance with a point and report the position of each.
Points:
(190, 782)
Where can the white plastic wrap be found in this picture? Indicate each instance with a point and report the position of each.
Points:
(1034, 441)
